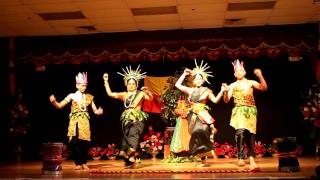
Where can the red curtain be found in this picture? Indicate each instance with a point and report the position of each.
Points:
(174, 45)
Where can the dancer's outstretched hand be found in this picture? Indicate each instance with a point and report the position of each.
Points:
(187, 71)
(52, 99)
(105, 77)
(99, 111)
(144, 88)
(257, 72)
(224, 87)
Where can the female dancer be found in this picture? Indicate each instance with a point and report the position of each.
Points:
(133, 117)
(200, 121)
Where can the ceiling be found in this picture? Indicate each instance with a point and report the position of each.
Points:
(69, 17)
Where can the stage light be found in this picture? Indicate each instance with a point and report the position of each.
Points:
(286, 148)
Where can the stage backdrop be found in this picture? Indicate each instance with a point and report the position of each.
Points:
(48, 65)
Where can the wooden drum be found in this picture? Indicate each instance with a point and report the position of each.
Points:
(52, 158)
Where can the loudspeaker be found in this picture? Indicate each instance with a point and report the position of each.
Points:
(286, 148)
(288, 164)
(286, 144)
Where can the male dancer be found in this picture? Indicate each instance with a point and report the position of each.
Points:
(244, 114)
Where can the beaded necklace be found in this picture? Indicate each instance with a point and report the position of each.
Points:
(83, 102)
(130, 100)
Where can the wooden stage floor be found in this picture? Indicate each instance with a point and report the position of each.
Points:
(221, 168)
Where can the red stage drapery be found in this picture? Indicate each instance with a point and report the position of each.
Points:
(211, 44)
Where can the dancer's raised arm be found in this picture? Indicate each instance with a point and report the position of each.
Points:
(60, 105)
(216, 99)
(97, 111)
(228, 93)
(262, 86)
(179, 85)
(147, 94)
(107, 87)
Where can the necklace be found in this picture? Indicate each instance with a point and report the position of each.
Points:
(83, 103)
(130, 100)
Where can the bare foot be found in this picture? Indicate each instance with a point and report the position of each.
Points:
(203, 163)
(214, 154)
(253, 165)
(85, 167)
(78, 167)
(254, 168)
(132, 159)
(241, 162)
(136, 165)
(122, 153)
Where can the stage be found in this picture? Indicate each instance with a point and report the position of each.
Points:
(154, 169)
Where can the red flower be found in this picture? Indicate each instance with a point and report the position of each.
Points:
(316, 123)
(111, 150)
(95, 151)
(152, 143)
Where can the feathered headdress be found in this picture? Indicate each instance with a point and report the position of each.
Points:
(202, 70)
(128, 73)
(81, 78)
(237, 65)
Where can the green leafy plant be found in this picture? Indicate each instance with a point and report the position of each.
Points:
(170, 98)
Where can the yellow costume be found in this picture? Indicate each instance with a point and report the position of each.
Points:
(80, 117)
(244, 114)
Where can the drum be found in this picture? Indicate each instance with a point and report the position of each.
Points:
(52, 158)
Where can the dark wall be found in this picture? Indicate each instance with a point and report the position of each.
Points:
(279, 113)
(4, 94)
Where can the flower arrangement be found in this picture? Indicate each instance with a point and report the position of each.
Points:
(265, 150)
(182, 109)
(229, 151)
(96, 151)
(310, 110)
(19, 119)
(111, 151)
(18, 124)
(152, 144)
(225, 150)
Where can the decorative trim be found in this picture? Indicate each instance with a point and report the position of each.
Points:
(204, 52)
(139, 171)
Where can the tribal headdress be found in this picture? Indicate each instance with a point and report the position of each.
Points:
(202, 70)
(128, 73)
(81, 78)
(237, 65)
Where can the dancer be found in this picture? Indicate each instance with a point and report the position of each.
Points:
(244, 114)
(133, 117)
(199, 117)
(79, 127)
